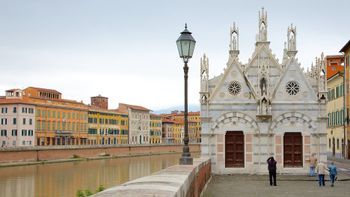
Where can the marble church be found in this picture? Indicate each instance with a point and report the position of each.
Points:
(264, 107)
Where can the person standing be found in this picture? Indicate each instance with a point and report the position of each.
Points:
(321, 171)
(313, 163)
(271, 162)
(332, 172)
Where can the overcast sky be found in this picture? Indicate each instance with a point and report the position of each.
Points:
(126, 50)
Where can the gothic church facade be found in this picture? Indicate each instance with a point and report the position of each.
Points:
(263, 108)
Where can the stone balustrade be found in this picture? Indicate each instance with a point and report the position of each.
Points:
(178, 180)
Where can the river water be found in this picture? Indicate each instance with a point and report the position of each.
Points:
(65, 179)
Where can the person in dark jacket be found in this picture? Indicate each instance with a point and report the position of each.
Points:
(332, 172)
(272, 170)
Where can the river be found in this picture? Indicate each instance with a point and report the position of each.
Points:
(65, 179)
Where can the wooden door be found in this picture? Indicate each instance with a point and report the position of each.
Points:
(234, 149)
(293, 149)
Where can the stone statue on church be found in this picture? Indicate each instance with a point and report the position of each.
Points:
(291, 35)
(204, 73)
(263, 33)
(263, 89)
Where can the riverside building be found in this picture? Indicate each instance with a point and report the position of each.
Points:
(58, 121)
(17, 118)
(264, 107)
(346, 53)
(335, 105)
(139, 123)
(194, 126)
(106, 127)
(155, 129)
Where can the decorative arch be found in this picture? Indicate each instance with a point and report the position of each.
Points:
(293, 117)
(236, 117)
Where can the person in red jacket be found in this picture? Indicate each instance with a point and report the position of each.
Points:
(271, 162)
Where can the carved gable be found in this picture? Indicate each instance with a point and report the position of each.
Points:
(293, 86)
(232, 87)
(264, 63)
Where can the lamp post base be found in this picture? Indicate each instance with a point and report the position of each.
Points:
(186, 160)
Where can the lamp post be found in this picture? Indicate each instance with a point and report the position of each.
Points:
(185, 45)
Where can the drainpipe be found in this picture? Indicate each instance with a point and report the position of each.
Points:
(344, 111)
(345, 115)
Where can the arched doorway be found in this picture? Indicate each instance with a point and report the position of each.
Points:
(234, 149)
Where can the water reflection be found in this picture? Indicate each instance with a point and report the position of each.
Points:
(65, 179)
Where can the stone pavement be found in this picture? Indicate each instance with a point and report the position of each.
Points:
(287, 186)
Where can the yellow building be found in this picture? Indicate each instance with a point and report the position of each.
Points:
(335, 105)
(178, 131)
(155, 129)
(106, 127)
(194, 124)
(346, 53)
(58, 121)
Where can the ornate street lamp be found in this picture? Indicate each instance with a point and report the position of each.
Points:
(185, 45)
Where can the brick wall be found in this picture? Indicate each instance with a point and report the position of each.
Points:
(56, 153)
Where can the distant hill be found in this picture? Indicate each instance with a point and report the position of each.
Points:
(191, 107)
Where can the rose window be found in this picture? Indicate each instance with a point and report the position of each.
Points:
(234, 88)
(292, 88)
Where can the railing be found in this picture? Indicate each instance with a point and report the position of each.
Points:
(178, 180)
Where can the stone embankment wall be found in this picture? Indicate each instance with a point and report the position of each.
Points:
(35, 154)
(178, 180)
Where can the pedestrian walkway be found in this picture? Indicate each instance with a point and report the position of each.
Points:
(287, 186)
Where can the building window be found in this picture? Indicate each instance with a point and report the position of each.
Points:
(4, 132)
(14, 132)
(24, 121)
(14, 121)
(14, 109)
(337, 144)
(30, 121)
(4, 110)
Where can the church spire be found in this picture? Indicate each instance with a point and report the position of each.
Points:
(234, 40)
(291, 39)
(262, 36)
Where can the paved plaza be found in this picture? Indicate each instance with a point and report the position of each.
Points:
(287, 185)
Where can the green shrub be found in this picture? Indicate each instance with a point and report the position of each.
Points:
(88, 192)
(80, 193)
(100, 188)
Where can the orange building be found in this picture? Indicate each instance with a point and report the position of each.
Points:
(194, 126)
(167, 130)
(58, 121)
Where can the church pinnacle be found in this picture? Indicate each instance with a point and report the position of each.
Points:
(291, 40)
(262, 36)
(234, 40)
